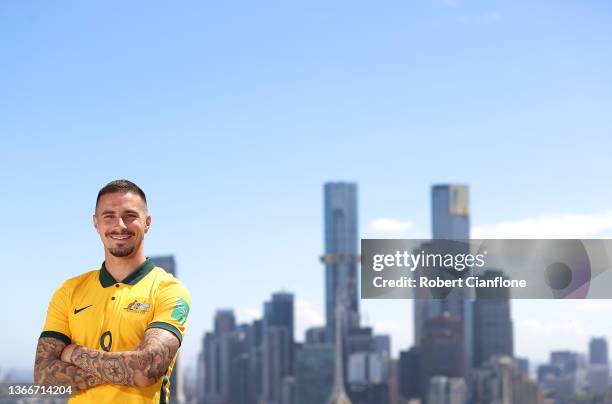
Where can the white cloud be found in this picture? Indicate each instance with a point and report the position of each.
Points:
(389, 227)
(564, 225)
(542, 326)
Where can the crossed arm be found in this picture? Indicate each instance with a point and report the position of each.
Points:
(83, 367)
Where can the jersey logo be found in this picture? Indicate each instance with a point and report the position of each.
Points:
(77, 311)
(181, 310)
(138, 307)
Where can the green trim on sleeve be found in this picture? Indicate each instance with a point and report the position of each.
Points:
(167, 327)
(57, 335)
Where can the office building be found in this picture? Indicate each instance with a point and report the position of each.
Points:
(341, 256)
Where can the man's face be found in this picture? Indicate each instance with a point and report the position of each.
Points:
(121, 220)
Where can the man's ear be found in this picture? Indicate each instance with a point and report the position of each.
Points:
(95, 223)
(147, 223)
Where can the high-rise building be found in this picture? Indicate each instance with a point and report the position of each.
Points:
(288, 390)
(500, 381)
(450, 220)
(200, 378)
(598, 351)
(598, 370)
(409, 374)
(341, 253)
(441, 350)
(567, 361)
(382, 345)
(367, 368)
(492, 322)
(371, 393)
(278, 346)
(256, 362)
(225, 322)
(565, 376)
(279, 312)
(445, 390)
(224, 362)
(177, 393)
(359, 339)
(394, 381)
(314, 373)
(523, 365)
(316, 335)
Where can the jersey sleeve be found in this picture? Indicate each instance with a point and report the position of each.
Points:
(56, 324)
(172, 305)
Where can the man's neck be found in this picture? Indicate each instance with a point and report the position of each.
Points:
(120, 267)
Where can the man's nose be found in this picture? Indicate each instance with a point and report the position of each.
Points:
(121, 223)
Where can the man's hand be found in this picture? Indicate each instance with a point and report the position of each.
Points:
(49, 369)
(67, 352)
(139, 368)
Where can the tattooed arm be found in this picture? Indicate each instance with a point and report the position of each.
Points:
(139, 368)
(49, 369)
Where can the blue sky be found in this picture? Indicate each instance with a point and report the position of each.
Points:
(232, 116)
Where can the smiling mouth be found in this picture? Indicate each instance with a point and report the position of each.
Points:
(119, 236)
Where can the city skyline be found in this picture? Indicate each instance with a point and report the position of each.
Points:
(232, 118)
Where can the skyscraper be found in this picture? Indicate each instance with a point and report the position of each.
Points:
(598, 351)
(341, 253)
(444, 390)
(278, 346)
(441, 351)
(409, 384)
(598, 371)
(500, 381)
(450, 220)
(223, 349)
(492, 322)
(315, 335)
(314, 373)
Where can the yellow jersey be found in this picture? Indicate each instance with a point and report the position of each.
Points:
(95, 311)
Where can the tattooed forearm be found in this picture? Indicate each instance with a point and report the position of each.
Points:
(141, 367)
(50, 370)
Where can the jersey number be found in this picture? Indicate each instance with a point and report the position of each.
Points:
(106, 343)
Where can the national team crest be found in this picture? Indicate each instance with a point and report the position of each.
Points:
(138, 306)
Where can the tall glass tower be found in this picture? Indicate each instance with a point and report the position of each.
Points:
(450, 220)
(341, 254)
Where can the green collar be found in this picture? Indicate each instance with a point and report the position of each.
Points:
(106, 279)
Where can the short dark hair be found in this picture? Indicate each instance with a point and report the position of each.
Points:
(124, 186)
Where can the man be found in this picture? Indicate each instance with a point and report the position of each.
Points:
(113, 333)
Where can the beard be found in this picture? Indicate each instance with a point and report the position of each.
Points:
(122, 251)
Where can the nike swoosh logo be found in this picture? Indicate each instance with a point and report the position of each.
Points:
(76, 311)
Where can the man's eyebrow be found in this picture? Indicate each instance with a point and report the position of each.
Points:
(112, 212)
